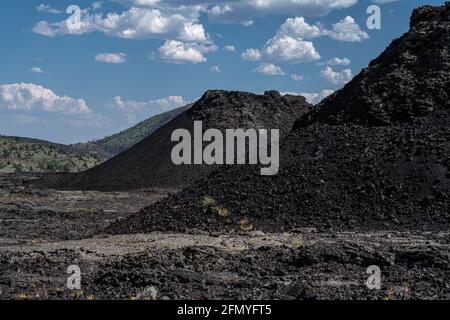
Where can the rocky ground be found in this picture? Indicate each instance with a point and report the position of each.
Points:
(43, 232)
(38, 214)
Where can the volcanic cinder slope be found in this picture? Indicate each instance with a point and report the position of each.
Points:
(375, 155)
(148, 164)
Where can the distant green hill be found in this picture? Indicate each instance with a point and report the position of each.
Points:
(19, 154)
(110, 146)
(32, 155)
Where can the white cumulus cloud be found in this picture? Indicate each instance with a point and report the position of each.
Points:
(48, 9)
(290, 44)
(251, 55)
(289, 49)
(31, 97)
(37, 70)
(297, 77)
(383, 1)
(283, 48)
(229, 48)
(245, 10)
(97, 5)
(347, 30)
(338, 62)
(215, 69)
(138, 109)
(114, 58)
(298, 27)
(179, 52)
(139, 3)
(133, 23)
(268, 69)
(316, 97)
(337, 78)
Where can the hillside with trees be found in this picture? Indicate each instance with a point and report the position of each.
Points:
(18, 155)
(113, 145)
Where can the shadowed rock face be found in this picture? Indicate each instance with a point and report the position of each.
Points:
(410, 79)
(149, 165)
(373, 156)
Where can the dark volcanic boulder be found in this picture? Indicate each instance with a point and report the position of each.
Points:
(373, 156)
(148, 164)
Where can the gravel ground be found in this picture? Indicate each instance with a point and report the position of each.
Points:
(305, 264)
(40, 214)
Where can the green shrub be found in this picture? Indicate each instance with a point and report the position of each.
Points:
(208, 201)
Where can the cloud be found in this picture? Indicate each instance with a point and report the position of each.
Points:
(139, 3)
(298, 27)
(229, 48)
(283, 48)
(383, 1)
(337, 78)
(347, 30)
(29, 103)
(290, 42)
(179, 20)
(220, 10)
(134, 109)
(97, 5)
(48, 9)
(45, 29)
(114, 58)
(37, 70)
(288, 49)
(179, 52)
(316, 97)
(247, 23)
(23, 97)
(288, 45)
(251, 55)
(215, 69)
(338, 62)
(245, 10)
(268, 69)
(133, 23)
(297, 77)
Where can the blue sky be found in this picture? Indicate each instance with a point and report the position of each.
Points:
(125, 60)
